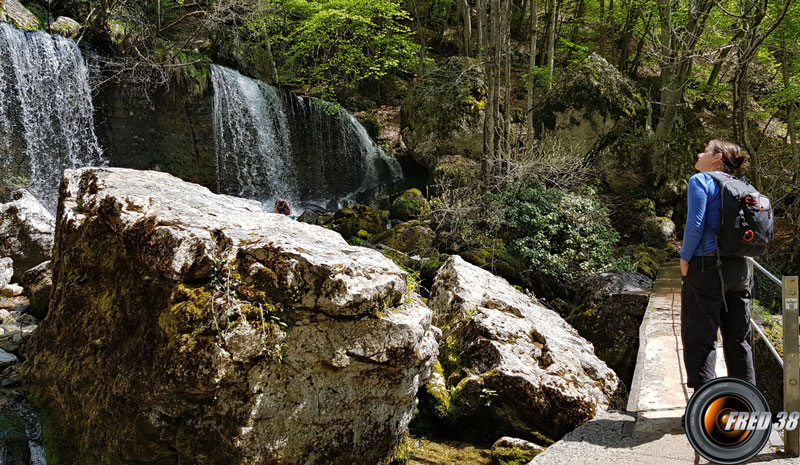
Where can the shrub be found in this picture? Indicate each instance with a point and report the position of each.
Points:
(561, 237)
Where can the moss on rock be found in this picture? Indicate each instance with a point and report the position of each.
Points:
(443, 113)
(409, 205)
(349, 221)
(414, 237)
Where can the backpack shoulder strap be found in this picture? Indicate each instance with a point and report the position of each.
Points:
(721, 178)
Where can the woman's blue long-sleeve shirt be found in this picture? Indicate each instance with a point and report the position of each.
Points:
(704, 208)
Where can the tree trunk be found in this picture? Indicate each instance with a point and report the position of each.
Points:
(634, 68)
(481, 5)
(676, 62)
(723, 54)
(789, 107)
(551, 44)
(490, 119)
(507, 103)
(740, 96)
(532, 76)
(464, 7)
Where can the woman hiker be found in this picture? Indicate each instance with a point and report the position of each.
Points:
(702, 307)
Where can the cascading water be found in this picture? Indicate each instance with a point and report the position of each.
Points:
(271, 143)
(251, 135)
(46, 112)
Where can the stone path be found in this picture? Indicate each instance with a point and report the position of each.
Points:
(650, 431)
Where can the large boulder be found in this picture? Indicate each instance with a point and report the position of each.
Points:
(409, 205)
(15, 12)
(65, 26)
(443, 113)
(413, 237)
(38, 281)
(349, 221)
(26, 232)
(513, 367)
(609, 312)
(586, 111)
(189, 327)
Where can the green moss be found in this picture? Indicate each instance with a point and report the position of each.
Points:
(182, 320)
(409, 205)
(349, 221)
(402, 454)
(450, 355)
(512, 456)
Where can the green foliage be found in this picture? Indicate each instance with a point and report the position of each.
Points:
(40, 13)
(190, 70)
(334, 46)
(560, 236)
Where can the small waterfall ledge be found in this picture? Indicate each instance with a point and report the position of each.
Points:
(46, 112)
(271, 143)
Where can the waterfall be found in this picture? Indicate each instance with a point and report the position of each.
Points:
(251, 138)
(46, 112)
(271, 143)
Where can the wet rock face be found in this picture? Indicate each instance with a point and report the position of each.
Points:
(192, 327)
(610, 310)
(26, 232)
(512, 366)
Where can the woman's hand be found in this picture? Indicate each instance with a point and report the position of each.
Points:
(684, 267)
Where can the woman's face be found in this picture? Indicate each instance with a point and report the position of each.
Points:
(707, 160)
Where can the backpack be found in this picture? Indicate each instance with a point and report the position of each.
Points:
(746, 218)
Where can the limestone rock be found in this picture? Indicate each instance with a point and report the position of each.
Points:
(513, 366)
(350, 220)
(6, 271)
(26, 232)
(14, 336)
(65, 26)
(585, 110)
(514, 451)
(409, 205)
(16, 13)
(38, 281)
(610, 310)
(209, 331)
(7, 359)
(443, 113)
(412, 237)
(11, 290)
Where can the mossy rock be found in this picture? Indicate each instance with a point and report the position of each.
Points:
(371, 123)
(657, 231)
(14, 440)
(413, 237)
(454, 173)
(648, 259)
(349, 221)
(443, 113)
(409, 205)
(498, 261)
(514, 451)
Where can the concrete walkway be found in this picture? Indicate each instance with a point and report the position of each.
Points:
(650, 431)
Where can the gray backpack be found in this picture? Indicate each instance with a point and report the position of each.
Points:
(746, 218)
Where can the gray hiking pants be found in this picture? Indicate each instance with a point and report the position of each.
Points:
(702, 312)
